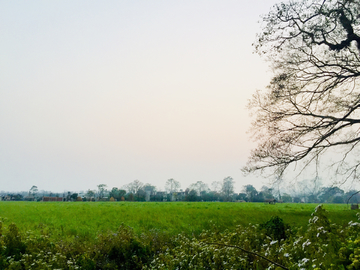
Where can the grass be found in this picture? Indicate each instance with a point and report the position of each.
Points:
(87, 219)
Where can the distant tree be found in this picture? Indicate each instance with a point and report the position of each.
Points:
(74, 196)
(286, 198)
(101, 190)
(90, 194)
(328, 193)
(216, 186)
(18, 197)
(308, 190)
(33, 191)
(338, 199)
(117, 193)
(260, 197)
(251, 192)
(199, 187)
(150, 189)
(210, 196)
(267, 192)
(129, 197)
(172, 185)
(241, 197)
(136, 188)
(191, 195)
(228, 188)
(312, 198)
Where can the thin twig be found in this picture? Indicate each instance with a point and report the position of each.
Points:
(250, 252)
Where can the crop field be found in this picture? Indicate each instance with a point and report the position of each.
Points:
(87, 219)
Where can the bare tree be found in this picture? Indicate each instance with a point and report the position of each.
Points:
(199, 187)
(216, 186)
(134, 187)
(172, 185)
(228, 188)
(149, 188)
(312, 105)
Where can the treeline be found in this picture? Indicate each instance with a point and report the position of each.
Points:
(199, 191)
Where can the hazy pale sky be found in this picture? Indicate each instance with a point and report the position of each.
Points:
(112, 91)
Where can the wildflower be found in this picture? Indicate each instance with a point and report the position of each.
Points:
(286, 255)
(306, 243)
(273, 242)
(351, 224)
(314, 219)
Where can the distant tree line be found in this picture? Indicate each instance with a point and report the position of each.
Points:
(222, 191)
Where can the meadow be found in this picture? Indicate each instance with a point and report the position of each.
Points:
(87, 219)
(178, 235)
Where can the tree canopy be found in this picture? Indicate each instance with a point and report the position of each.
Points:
(312, 103)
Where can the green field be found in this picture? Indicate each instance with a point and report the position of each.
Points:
(176, 235)
(88, 219)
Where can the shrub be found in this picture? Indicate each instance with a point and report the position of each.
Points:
(275, 228)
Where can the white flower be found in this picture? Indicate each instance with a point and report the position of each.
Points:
(316, 218)
(306, 243)
(353, 224)
(286, 255)
(273, 242)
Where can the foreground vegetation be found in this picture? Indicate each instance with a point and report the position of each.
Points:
(177, 236)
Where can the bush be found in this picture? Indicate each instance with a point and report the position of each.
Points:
(275, 228)
(322, 246)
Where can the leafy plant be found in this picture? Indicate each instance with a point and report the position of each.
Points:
(275, 228)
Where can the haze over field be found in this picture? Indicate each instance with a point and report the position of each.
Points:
(108, 92)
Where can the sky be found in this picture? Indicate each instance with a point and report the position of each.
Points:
(106, 92)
